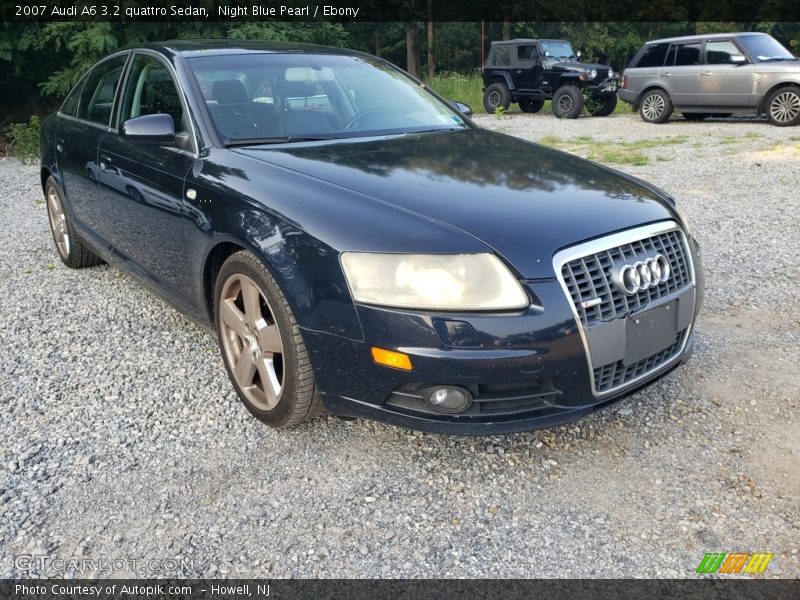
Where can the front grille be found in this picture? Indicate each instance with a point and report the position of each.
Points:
(589, 277)
(493, 400)
(618, 373)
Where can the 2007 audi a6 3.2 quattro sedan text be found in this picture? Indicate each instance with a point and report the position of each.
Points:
(358, 244)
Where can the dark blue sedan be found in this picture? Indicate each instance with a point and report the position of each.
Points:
(359, 245)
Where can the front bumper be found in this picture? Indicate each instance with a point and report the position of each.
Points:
(536, 357)
(608, 86)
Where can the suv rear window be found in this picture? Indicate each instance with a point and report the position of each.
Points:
(652, 56)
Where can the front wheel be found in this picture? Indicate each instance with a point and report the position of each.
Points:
(603, 105)
(567, 102)
(656, 107)
(531, 105)
(496, 96)
(783, 107)
(261, 344)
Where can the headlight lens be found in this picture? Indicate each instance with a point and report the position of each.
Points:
(433, 281)
(592, 74)
(610, 73)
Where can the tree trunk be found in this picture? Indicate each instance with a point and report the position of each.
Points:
(431, 56)
(377, 38)
(506, 30)
(412, 50)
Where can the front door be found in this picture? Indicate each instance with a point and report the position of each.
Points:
(723, 83)
(143, 185)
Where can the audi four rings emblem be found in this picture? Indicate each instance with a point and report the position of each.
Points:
(638, 276)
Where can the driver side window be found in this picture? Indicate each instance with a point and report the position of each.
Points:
(151, 90)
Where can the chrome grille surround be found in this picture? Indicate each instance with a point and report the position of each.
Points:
(595, 259)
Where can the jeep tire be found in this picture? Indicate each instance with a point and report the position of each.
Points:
(603, 105)
(496, 95)
(567, 102)
(531, 105)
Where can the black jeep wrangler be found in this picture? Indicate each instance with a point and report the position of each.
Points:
(531, 71)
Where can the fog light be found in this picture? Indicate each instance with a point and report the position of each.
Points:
(449, 399)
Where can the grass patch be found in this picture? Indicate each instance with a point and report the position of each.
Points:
(618, 155)
(614, 153)
(50, 266)
(25, 140)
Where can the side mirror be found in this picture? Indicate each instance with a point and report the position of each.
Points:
(547, 53)
(578, 54)
(738, 59)
(464, 109)
(149, 130)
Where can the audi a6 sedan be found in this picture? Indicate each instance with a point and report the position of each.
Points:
(359, 245)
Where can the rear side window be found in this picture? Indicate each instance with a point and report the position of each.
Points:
(501, 56)
(687, 54)
(719, 53)
(70, 105)
(652, 56)
(97, 97)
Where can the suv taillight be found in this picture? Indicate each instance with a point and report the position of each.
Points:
(624, 82)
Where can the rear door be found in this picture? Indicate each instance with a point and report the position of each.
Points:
(680, 74)
(722, 82)
(141, 185)
(80, 128)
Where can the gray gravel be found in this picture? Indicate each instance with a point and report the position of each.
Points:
(121, 438)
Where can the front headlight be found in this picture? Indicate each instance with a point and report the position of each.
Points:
(433, 281)
(611, 73)
(592, 74)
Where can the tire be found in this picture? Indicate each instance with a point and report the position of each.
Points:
(655, 107)
(531, 105)
(783, 107)
(71, 248)
(567, 102)
(496, 95)
(603, 105)
(695, 116)
(263, 332)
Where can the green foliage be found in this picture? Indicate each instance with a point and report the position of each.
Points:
(463, 88)
(499, 111)
(25, 140)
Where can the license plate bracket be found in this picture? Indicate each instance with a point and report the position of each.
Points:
(650, 331)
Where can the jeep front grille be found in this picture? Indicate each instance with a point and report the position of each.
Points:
(589, 277)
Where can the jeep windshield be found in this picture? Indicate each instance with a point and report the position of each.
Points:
(282, 98)
(764, 48)
(560, 49)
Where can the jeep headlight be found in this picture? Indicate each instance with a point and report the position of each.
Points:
(450, 282)
(591, 74)
(610, 73)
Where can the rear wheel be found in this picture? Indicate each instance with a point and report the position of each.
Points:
(531, 105)
(495, 96)
(603, 105)
(783, 107)
(567, 102)
(656, 107)
(72, 250)
(262, 348)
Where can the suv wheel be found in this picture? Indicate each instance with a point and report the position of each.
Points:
(531, 105)
(496, 96)
(602, 106)
(656, 107)
(567, 102)
(783, 107)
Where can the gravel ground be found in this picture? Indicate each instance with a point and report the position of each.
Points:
(121, 438)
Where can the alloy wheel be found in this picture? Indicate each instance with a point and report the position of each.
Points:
(653, 106)
(252, 341)
(565, 104)
(785, 107)
(58, 222)
(494, 99)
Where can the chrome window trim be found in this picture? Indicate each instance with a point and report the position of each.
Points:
(605, 243)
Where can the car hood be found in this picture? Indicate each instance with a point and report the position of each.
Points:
(580, 67)
(524, 200)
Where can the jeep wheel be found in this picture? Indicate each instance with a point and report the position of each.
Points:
(531, 105)
(567, 102)
(656, 107)
(496, 96)
(783, 107)
(602, 106)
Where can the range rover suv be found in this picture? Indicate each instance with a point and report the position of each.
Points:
(714, 75)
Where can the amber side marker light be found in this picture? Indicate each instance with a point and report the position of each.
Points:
(387, 358)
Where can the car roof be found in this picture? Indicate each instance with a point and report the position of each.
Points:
(215, 47)
(706, 36)
(523, 41)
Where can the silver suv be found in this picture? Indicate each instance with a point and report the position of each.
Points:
(714, 75)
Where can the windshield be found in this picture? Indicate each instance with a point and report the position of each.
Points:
(273, 98)
(764, 48)
(558, 49)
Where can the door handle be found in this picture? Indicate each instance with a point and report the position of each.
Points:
(59, 145)
(705, 73)
(667, 74)
(105, 162)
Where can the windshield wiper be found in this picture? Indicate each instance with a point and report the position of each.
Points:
(277, 140)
